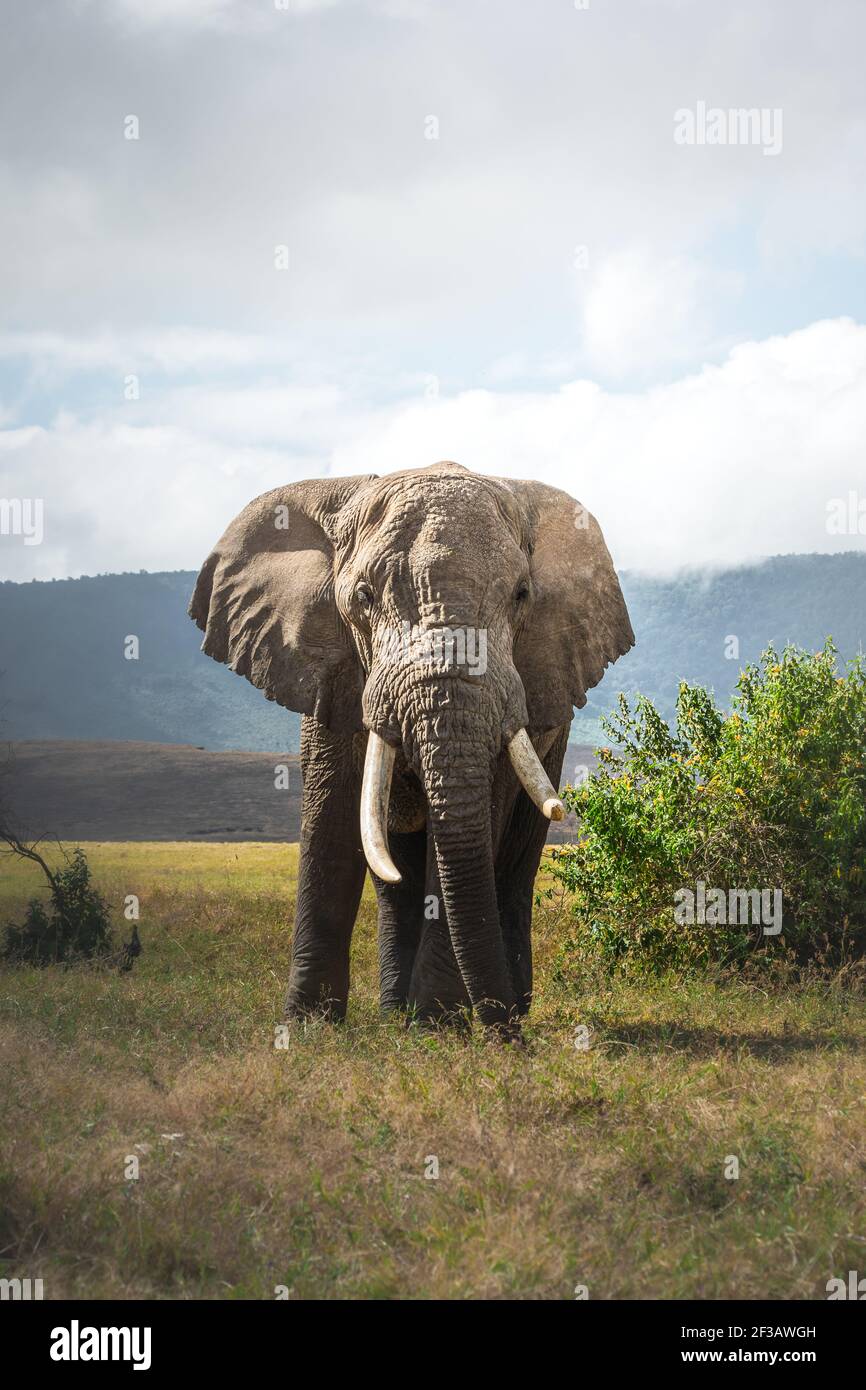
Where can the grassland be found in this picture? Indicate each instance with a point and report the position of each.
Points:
(305, 1167)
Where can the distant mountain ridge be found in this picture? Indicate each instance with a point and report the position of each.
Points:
(683, 624)
(63, 674)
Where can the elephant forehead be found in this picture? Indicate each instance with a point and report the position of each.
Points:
(457, 567)
(445, 507)
(474, 540)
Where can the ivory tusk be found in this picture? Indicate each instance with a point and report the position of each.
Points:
(375, 795)
(533, 778)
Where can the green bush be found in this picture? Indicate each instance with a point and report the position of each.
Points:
(73, 926)
(770, 797)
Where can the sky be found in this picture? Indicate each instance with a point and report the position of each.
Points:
(244, 242)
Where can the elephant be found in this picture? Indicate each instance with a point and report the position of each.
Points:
(434, 628)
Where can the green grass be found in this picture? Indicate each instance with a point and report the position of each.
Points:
(305, 1167)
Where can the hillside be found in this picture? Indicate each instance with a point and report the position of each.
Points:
(63, 674)
(84, 790)
(682, 624)
(89, 790)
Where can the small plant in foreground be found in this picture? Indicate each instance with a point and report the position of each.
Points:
(73, 925)
(769, 797)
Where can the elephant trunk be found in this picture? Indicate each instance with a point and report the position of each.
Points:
(453, 746)
(465, 860)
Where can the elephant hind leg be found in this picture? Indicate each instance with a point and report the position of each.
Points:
(401, 914)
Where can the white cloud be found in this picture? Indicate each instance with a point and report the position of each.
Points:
(296, 417)
(174, 350)
(643, 313)
(734, 462)
(260, 127)
(208, 14)
(123, 498)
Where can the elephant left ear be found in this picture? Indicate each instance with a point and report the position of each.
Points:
(265, 602)
(579, 623)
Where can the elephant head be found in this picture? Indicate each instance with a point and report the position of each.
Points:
(336, 598)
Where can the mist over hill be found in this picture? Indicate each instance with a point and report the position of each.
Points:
(63, 673)
(683, 624)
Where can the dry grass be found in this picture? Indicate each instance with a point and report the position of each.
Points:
(306, 1167)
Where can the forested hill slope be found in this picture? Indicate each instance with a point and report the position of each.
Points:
(683, 625)
(63, 673)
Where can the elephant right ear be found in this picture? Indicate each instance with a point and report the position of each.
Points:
(579, 622)
(265, 602)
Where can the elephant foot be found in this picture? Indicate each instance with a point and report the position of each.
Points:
(506, 1035)
(501, 1023)
(439, 1018)
(391, 1004)
(397, 1013)
(301, 1004)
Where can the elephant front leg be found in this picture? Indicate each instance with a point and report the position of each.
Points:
(330, 875)
(401, 914)
(517, 864)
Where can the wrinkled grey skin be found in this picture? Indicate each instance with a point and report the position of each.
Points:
(279, 601)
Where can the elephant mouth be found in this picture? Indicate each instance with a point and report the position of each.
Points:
(377, 786)
(407, 810)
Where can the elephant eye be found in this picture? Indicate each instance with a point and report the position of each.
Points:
(521, 592)
(364, 595)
